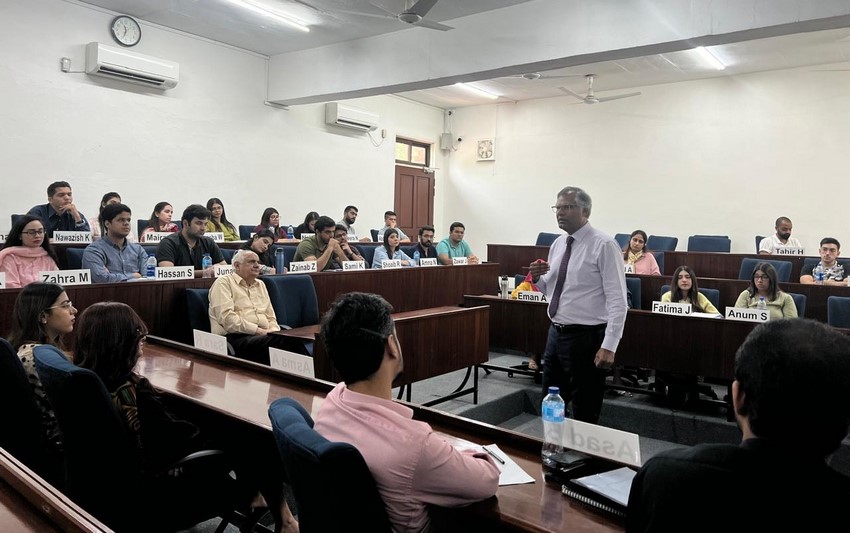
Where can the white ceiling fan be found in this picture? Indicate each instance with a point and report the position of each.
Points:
(590, 97)
(532, 76)
(413, 14)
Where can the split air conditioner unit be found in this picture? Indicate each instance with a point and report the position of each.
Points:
(345, 116)
(132, 67)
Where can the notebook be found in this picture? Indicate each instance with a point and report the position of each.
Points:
(607, 491)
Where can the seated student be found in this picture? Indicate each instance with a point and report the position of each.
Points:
(686, 291)
(322, 247)
(390, 249)
(188, 246)
(348, 217)
(763, 284)
(782, 237)
(218, 221)
(455, 246)
(792, 381)
(271, 221)
(96, 223)
(261, 244)
(352, 251)
(26, 252)
(114, 258)
(308, 226)
(833, 271)
(160, 220)
(413, 467)
(60, 213)
(425, 246)
(636, 254)
(391, 221)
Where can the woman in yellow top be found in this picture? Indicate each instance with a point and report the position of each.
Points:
(219, 223)
(685, 291)
(763, 284)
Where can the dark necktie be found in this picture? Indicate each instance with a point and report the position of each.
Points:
(562, 278)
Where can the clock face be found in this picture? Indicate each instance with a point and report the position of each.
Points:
(126, 31)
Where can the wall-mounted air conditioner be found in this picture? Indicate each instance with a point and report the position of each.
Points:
(132, 67)
(350, 117)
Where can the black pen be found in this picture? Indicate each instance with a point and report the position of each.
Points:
(496, 457)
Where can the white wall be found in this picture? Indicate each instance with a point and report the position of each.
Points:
(210, 136)
(720, 156)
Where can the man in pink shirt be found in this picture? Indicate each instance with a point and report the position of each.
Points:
(412, 466)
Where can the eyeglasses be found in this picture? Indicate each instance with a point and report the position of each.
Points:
(65, 305)
(568, 207)
(34, 232)
(758, 277)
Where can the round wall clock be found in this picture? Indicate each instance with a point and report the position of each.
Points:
(125, 30)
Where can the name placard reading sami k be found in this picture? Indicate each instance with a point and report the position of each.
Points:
(672, 308)
(460, 260)
(390, 263)
(787, 250)
(354, 265)
(183, 272)
(66, 277)
(427, 261)
(747, 315)
(292, 363)
(303, 267)
(530, 296)
(155, 236)
(71, 236)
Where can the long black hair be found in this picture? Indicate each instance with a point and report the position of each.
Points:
(224, 222)
(33, 300)
(14, 238)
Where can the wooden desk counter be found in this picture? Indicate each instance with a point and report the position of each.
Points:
(513, 257)
(242, 390)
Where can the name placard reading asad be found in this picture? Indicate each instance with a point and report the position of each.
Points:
(66, 277)
(747, 315)
(672, 308)
(354, 265)
(184, 272)
(302, 267)
(71, 236)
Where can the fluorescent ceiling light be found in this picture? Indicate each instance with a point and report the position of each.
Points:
(256, 7)
(709, 58)
(477, 91)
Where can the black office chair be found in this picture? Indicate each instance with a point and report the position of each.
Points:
(758, 242)
(293, 297)
(368, 254)
(245, 231)
(198, 306)
(321, 471)
(141, 225)
(74, 258)
(374, 234)
(838, 311)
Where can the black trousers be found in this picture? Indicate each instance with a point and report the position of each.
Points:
(568, 364)
(256, 347)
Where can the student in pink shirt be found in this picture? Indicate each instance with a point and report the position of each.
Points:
(636, 254)
(413, 467)
(27, 252)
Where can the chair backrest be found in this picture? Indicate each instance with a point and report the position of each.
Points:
(633, 285)
(245, 231)
(662, 243)
(198, 306)
(16, 218)
(800, 302)
(150, 248)
(409, 249)
(74, 258)
(368, 254)
(659, 258)
(622, 240)
(838, 311)
(293, 297)
(546, 239)
(713, 295)
(783, 268)
(227, 253)
(374, 233)
(707, 243)
(321, 471)
(758, 242)
(141, 225)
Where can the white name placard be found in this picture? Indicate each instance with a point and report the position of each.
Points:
(747, 315)
(788, 250)
(619, 446)
(300, 267)
(380, 236)
(305, 235)
(292, 363)
(531, 296)
(66, 277)
(185, 272)
(671, 308)
(154, 236)
(210, 342)
(222, 270)
(427, 261)
(629, 269)
(354, 265)
(390, 263)
(3, 237)
(216, 236)
(2, 280)
(71, 236)
(460, 260)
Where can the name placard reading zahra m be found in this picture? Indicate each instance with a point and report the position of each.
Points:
(747, 315)
(460, 260)
(530, 296)
(300, 267)
(788, 250)
(210, 342)
(216, 236)
(71, 236)
(390, 263)
(222, 270)
(354, 265)
(184, 272)
(66, 277)
(155, 236)
(601, 441)
(428, 261)
(671, 308)
(292, 363)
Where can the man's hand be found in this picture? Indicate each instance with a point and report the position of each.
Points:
(604, 359)
(70, 208)
(538, 268)
(261, 331)
(473, 260)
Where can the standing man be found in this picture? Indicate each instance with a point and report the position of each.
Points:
(188, 246)
(113, 258)
(391, 221)
(425, 246)
(586, 290)
(60, 213)
(352, 251)
(833, 271)
(455, 246)
(348, 218)
(322, 247)
(782, 237)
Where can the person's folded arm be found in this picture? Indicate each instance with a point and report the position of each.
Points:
(449, 478)
(224, 312)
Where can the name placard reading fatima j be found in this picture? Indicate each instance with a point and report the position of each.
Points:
(2, 280)
(71, 236)
(390, 263)
(629, 269)
(222, 270)
(613, 444)
(788, 250)
(672, 308)
(216, 236)
(354, 265)
(209, 342)
(302, 267)
(184, 272)
(427, 261)
(155, 236)
(531, 296)
(460, 260)
(747, 315)
(66, 277)
(292, 363)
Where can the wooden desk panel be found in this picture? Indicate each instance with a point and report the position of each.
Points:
(513, 257)
(242, 391)
(514, 325)
(722, 265)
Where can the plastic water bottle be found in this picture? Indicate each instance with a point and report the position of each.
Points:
(553, 427)
(290, 232)
(761, 305)
(819, 274)
(279, 260)
(206, 265)
(416, 256)
(150, 266)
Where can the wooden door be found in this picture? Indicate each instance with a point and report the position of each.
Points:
(414, 199)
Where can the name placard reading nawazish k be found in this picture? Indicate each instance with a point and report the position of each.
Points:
(71, 236)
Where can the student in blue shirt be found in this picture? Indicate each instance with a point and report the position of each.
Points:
(60, 213)
(113, 257)
(390, 250)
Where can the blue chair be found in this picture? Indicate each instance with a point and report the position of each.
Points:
(321, 471)
(228, 254)
(800, 302)
(758, 242)
(662, 243)
(409, 250)
(706, 243)
(74, 258)
(622, 240)
(783, 268)
(198, 304)
(368, 254)
(546, 239)
(293, 297)
(16, 218)
(659, 258)
(374, 234)
(150, 248)
(633, 285)
(713, 295)
(245, 232)
(712, 236)
(141, 225)
(838, 311)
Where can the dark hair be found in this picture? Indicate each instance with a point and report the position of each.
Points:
(349, 208)
(154, 220)
(107, 338)
(355, 332)
(14, 237)
(311, 216)
(795, 377)
(267, 214)
(830, 240)
(224, 222)
(389, 214)
(265, 257)
(456, 225)
(582, 198)
(628, 248)
(340, 227)
(32, 301)
(51, 189)
(427, 227)
(111, 211)
(195, 211)
(676, 294)
(324, 222)
(389, 232)
(773, 287)
(780, 220)
(100, 220)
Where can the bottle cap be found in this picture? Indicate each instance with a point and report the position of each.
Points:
(554, 390)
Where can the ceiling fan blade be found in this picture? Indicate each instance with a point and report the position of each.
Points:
(362, 14)
(617, 97)
(574, 95)
(422, 7)
(430, 24)
(382, 8)
(545, 77)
